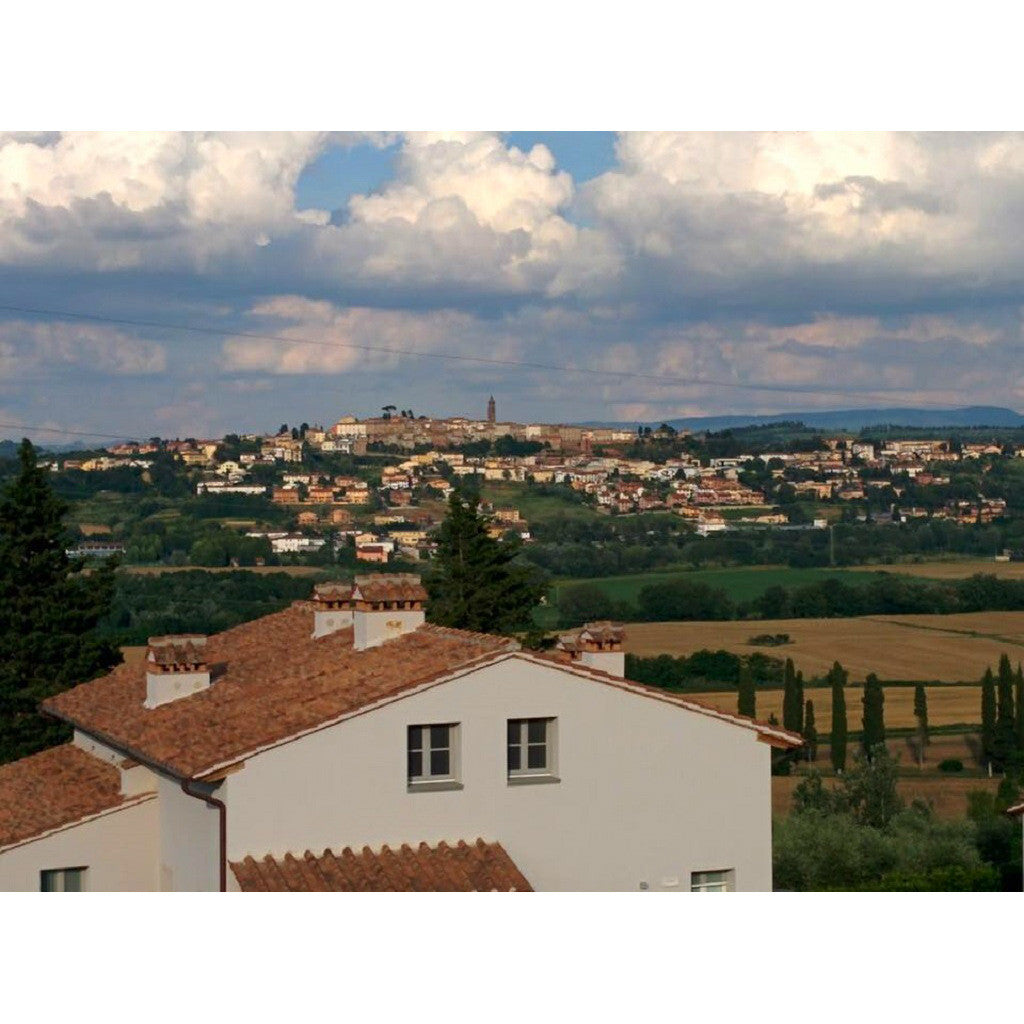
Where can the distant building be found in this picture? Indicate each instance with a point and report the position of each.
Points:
(491, 410)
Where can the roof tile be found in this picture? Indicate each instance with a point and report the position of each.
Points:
(53, 788)
(480, 867)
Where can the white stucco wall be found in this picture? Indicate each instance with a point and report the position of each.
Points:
(120, 850)
(648, 794)
(189, 841)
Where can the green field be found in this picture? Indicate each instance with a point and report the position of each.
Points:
(533, 506)
(741, 584)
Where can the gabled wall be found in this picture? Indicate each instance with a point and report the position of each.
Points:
(119, 848)
(648, 792)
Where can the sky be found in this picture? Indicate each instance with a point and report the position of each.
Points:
(194, 284)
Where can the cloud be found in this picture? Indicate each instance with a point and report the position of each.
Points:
(29, 346)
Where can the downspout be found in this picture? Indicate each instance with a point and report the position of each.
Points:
(220, 806)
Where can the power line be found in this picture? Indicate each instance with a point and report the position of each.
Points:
(67, 433)
(450, 356)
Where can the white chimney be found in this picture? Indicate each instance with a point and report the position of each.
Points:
(596, 645)
(386, 606)
(333, 608)
(175, 667)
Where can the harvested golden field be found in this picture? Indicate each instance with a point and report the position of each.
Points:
(946, 648)
(947, 794)
(958, 570)
(947, 705)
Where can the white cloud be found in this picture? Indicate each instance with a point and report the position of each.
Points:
(28, 346)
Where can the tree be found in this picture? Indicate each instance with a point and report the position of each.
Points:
(1018, 685)
(1004, 740)
(747, 697)
(837, 677)
(873, 723)
(792, 699)
(988, 714)
(921, 714)
(810, 732)
(870, 788)
(476, 583)
(48, 611)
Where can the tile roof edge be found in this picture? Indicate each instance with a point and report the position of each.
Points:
(124, 805)
(786, 738)
(133, 753)
(1016, 809)
(485, 660)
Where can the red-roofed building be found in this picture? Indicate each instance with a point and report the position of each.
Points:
(344, 743)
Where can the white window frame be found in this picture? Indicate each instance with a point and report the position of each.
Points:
(524, 774)
(59, 878)
(717, 880)
(426, 779)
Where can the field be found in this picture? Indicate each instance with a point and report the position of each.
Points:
(262, 570)
(941, 648)
(947, 705)
(533, 506)
(741, 584)
(947, 794)
(960, 570)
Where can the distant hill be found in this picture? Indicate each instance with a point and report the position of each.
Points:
(853, 419)
(8, 450)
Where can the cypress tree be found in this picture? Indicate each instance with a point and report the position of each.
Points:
(1019, 708)
(792, 703)
(837, 677)
(475, 583)
(988, 714)
(747, 698)
(873, 722)
(1004, 740)
(798, 685)
(921, 713)
(810, 732)
(48, 612)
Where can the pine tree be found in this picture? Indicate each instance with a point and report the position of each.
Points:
(921, 713)
(988, 714)
(810, 732)
(874, 721)
(747, 697)
(48, 612)
(838, 677)
(1004, 740)
(476, 583)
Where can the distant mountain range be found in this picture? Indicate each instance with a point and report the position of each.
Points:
(851, 419)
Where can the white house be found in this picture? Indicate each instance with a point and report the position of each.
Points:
(346, 744)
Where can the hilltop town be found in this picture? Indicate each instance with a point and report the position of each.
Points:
(373, 490)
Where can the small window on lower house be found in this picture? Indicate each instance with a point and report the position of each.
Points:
(62, 880)
(712, 881)
(433, 755)
(531, 748)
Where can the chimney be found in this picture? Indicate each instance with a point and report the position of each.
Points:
(385, 606)
(596, 645)
(175, 667)
(333, 605)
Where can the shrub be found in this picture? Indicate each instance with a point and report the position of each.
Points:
(951, 764)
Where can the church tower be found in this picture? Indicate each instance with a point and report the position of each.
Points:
(490, 409)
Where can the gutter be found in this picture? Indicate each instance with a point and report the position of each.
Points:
(220, 806)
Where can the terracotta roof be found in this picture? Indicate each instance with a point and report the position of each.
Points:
(174, 651)
(389, 587)
(482, 867)
(270, 681)
(53, 788)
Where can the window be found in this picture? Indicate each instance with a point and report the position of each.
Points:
(433, 756)
(712, 881)
(531, 749)
(62, 880)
